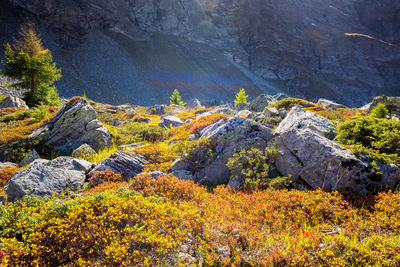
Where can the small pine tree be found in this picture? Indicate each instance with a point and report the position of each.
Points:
(27, 60)
(241, 97)
(379, 111)
(176, 99)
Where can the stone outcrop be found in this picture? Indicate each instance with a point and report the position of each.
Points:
(74, 125)
(300, 119)
(128, 164)
(260, 102)
(157, 109)
(316, 161)
(227, 137)
(328, 104)
(13, 102)
(170, 121)
(47, 177)
(29, 158)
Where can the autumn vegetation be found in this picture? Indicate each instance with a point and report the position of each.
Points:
(166, 221)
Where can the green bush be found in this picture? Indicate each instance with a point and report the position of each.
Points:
(16, 116)
(40, 113)
(252, 166)
(382, 135)
(135, 132)
(379, 111)
(376, 137)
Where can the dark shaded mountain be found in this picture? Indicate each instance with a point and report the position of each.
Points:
(138, 51)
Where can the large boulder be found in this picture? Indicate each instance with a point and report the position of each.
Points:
(128, 164)
(391, 103)
(271, 112)
(194, 103)
(300, 119)
(328, 104)
(242, 106)
(156, 109)
(230, 130)
(74, 125)
(13, 102)
(170, 121)
(47, 177)
(215, 171)
(316, 161)
(227, 137)
(260, 102)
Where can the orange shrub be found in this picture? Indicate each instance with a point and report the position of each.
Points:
(160, 157)
(26, 127)
(105, 176)
(106, 186)
(182, 132)
(186, 115)
(6, 174)
(73, 100)
(333, 115)
(168, 186)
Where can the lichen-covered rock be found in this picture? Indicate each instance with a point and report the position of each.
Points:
(84, 151)
(47, 177)
(260, 102)
(242, 106)
(156, 110)
(128, 164)
(74, 125)
(13, 102)
(319, 162)
(227, 137)
(29, 158)
(271, 112)
(299, 119)
(170, 121)
(328, 104)
(215, 171)
(228, 131)
(282, 113)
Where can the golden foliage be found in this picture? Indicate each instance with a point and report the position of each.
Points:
(182, 132)
(6, 174)
(160, 157)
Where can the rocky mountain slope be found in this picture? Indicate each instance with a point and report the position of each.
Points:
(138, 50)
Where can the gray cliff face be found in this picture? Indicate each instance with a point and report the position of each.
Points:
(139, 50)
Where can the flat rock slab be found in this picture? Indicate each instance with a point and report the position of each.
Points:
(128, 164)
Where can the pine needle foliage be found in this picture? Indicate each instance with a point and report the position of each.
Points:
(241, 97)
(26, 59)
(175, 99)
